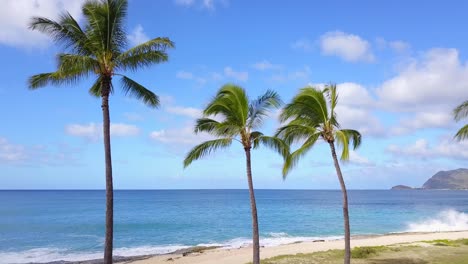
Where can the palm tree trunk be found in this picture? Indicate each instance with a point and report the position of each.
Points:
(109, 186)
(347, 259)
(253, 205)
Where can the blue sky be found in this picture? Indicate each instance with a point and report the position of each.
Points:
(400, 67)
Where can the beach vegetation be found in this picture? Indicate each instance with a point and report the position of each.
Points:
(310, 117)
(231, 117)
(98, 48)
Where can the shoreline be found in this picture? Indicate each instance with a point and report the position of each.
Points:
(244, 254)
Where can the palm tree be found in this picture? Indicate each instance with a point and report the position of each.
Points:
(240, 120)
(311, 116)
(459, 113)
(98, 48)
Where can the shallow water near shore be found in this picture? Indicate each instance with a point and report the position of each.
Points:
(45, 226)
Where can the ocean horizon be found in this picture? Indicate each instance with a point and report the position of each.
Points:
(68, 225)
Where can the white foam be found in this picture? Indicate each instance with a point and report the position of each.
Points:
(445, 221)
(43, 255)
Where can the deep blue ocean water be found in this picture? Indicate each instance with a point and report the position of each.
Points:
(44, 226)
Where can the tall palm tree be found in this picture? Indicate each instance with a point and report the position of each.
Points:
(311, 116)
(99, 48)
(239, 122)
(459, 113)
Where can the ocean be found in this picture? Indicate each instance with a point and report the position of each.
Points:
(46, 226)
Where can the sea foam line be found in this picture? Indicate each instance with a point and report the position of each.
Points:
(445, 221)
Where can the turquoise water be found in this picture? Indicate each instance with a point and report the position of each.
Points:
(44, 226)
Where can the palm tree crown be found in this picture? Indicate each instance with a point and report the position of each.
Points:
(311, 116)
(239, 121)
(99, 48)
(459, 113)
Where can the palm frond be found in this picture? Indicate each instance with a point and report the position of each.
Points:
(342, 141)
(105, 25)
(296, 130)
(230, 102)
(205, 149)
(309, 104)
(275, 144)
(145, 54)
(138, 91)
(66, 31)
(53, 78)
(292, 160)
(96, 88)
(255, 138)
(461, 111)
(354, 136)
(259, 109)
(462, 134)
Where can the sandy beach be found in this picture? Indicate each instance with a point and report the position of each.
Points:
(244, 255)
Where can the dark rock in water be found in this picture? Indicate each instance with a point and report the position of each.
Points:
(453, 180)
(401, 187)
(319, 240)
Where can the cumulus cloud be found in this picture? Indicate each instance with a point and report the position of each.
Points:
(348, 47)
(423, 120)
(302, 44)
(178, 137)
(202, 4)
(15, 16)
(397, 46)
(137, 36)
(266, 65)
(93, 131)
(436, 81)
(356, 159)
(186, 75)
(185, 111)
(19, 154)
(445, 147)
(237, 75)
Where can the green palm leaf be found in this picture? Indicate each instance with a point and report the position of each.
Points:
(205, 149)
(138, 91)
(462, 134)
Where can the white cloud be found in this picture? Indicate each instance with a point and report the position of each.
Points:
(179, 137)
(202, 4)
(436, 81)
(10, 152)
(185, 3)
(134, 117)
(185, 111)
(237, 75)
(302, 44)
(15, 16)
(446, 147)
(398, 46)
(137, 36)
(300, 74)
(93, 131)
(359, 119)
(18, 154)
(357, 159)
(353, 94)
(184, 75)
(349, 47)
(266, 65)
(423, 120)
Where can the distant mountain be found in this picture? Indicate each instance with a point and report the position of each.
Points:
(401, 187)
(453, 180)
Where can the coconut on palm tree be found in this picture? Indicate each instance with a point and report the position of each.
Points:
(239, 120)
(459, 113)
(311, 117)
(98, 48)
